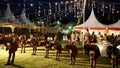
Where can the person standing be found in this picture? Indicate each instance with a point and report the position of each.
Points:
(14, 41)
(48, 46)
(73, 50)
(58, 48)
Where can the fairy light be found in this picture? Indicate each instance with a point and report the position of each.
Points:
(117, 11)
(73, 6)
(50, 11)
(71, 1)
(18, 4)
(106, 6)
(56, 4)
(31, 5)
(39, 10)
(54, 16)
(61, 2)
(75, 1)
(70, 7)
(78, 9)
(113, 9)
(103, 9)
(110, 8)
(59, 9)
(44, 12)
(66, 8)
(67, 2)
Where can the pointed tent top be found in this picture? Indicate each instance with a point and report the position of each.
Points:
(25, 20)
(8, 12)
(91, 22)
(9, 16)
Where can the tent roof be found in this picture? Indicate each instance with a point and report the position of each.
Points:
(9, 16)
(25, 20)
(92, 22)
(116, 25)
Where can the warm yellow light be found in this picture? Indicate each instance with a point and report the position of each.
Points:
(75, 0)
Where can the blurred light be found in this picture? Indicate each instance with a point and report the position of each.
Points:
(70, 27)
(58, 23)
(18, 4)
(106, 6)
(66, 2)
(61, 2)
(31, 5)
(117, 11)
(56, 3)
(71, 1)
(39, 11)
(75, 0)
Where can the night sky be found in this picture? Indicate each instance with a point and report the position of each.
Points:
(104, 19)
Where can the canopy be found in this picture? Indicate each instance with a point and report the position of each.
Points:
(114, 26)
(92, 23)
(9, 16)
(24, 20)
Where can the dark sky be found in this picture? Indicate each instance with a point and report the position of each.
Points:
(16, 10)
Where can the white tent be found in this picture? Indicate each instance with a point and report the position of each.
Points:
(92, 24)
(114, 28)
(24, 20)
(9, 16)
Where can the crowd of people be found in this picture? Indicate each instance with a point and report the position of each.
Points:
(16, 40)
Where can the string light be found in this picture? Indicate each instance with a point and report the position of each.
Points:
(113, 9)
(31, 5)
(117, 11)
(56, 9)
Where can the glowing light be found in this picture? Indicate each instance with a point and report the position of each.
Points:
(75, 0)
(70, 27)
(71, 1)
(61, 2)
(58, 23)
(117, 11)
(56, 3)
(31, 5)
(67, 2)
(106, 7)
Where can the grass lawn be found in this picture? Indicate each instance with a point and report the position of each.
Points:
(26, 60)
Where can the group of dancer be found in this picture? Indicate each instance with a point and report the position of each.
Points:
(13, 41)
